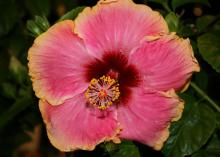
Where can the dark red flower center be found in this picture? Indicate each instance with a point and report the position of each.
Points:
(115, 66)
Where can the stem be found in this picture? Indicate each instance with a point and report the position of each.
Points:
(205, 96)
(69, 154)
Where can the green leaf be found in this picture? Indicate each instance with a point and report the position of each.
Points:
(125, 149)
(33, 28)
(192, 131)
(8, 90)
(216, 26)
(4, 61)
(20, 104)
(38, 25)
(178, 3)
(214, 143)
(203, 22)
(18, 71)
(209, 48)
(211, 150)
(8, 15)
(71, 15)
(38, 7)
(42, 23)
(172, 21)
(207, 153)
(110, 146)
(218, 121)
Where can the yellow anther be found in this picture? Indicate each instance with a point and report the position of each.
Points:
(102, 92)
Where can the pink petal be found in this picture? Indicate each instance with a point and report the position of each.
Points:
(146, 118)
(117, 26)
(73, 125)
(55, 64)
(165, 63)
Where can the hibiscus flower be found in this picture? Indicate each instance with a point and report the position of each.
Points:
(110, 74)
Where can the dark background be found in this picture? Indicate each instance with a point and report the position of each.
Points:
(22, 132)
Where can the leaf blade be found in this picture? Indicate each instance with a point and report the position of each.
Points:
(192, 131)
(209, 48)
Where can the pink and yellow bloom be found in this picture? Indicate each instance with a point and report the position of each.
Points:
(111, 74)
